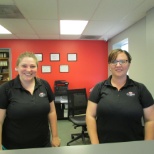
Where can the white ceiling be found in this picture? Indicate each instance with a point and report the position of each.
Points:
(106, 18)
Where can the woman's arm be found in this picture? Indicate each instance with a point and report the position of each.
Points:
(149, 123)
(53, 125)
(91, 122)
(2, 117)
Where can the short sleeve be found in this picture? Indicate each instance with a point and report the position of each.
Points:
(4, 100)
(49, 91)
(95, 93)
(145, 96)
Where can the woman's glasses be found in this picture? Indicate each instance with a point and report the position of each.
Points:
(121, 62)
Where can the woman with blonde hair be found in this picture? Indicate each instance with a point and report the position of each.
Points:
(27, 109)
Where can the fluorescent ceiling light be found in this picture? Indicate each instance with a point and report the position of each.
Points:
(72, 27)
(4, 30)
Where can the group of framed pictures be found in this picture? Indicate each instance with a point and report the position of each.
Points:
(56, 57)
(47, 69)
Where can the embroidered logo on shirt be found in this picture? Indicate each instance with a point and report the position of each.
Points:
(130, 94)
(42, 94)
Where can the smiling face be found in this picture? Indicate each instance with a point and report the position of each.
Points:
(120, 65)
(27, 67)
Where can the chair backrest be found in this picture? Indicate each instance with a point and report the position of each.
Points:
(77, 101)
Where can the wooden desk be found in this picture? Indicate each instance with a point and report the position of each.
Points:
(137, 147)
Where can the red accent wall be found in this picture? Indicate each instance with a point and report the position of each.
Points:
(90, 68)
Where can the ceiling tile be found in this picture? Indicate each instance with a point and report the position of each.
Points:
(38, 9)
(77, 9)
(17, 26)
(45, 26)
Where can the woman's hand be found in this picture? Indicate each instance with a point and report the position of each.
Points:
(55, 142)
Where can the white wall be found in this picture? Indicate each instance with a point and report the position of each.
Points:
(141, 47)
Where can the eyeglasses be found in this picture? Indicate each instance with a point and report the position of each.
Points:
(121, 62)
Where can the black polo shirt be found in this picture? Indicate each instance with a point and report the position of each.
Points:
(120, 113)
(26, 122)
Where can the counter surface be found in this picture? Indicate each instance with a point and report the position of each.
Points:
(135, 147)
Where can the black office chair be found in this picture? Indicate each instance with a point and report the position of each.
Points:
(77, 104)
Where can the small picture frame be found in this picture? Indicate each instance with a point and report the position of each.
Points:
(46, 69)
(72, 57)
(64, 68)
(39, 56)
(54, 57)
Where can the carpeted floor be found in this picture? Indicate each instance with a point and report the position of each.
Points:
(65, 129)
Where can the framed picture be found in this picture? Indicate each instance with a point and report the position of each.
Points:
(72, 57)
(54, 56)
(64, 68)
(46, 69)
(39, 56)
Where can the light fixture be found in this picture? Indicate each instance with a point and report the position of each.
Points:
(72, 27)
(4, 30)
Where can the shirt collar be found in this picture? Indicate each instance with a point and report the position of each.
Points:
(129, 82)
(17, 82)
